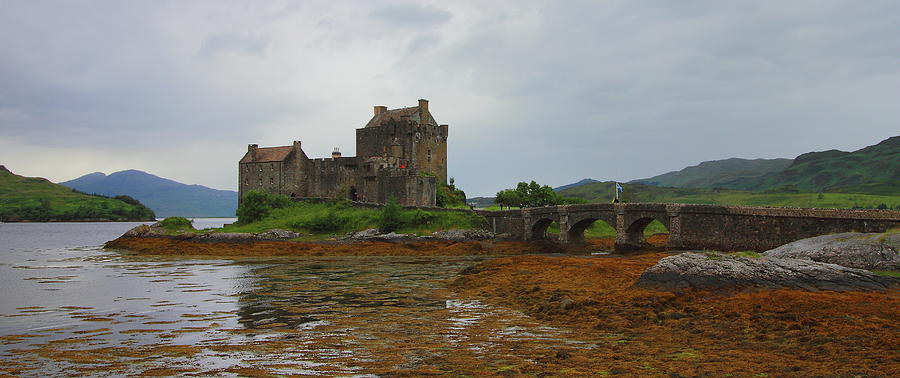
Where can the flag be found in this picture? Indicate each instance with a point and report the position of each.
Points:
(619, 188)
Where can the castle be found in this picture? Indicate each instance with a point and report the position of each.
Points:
(401, 153)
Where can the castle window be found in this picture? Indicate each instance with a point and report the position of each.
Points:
(271, 181)
(429, 155)
(272, 166)
(260, 168)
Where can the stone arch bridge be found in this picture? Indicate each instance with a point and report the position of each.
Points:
(728, 228)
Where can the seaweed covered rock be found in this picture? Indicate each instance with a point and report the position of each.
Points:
(851, 249)
(713, 271)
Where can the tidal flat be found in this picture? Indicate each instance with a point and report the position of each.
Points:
(70, 307)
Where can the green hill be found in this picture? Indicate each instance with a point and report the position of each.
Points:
(873, 170)
(729, 173)
(603, 192)
(36, 199)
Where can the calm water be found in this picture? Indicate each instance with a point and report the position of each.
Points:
(68, 307)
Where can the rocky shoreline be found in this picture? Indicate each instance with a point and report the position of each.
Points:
(154, 240)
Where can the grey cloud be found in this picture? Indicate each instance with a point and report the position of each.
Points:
(410, 15)
(233, 42)
(609, 90)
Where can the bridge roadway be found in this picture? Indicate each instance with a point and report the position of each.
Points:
(726, 228)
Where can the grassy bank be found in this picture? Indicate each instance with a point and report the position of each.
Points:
(338, 218)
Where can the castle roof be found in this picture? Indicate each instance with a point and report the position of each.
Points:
(267, 154)
(397, 115)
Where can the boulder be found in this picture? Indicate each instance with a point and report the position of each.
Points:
(712, 271)
(278, 234)
(392, 236)
(137, 231)
(464, 235)
(850, 249)
(364, 234)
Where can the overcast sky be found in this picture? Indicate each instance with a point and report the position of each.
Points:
(553, 91)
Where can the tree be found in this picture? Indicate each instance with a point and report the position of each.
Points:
(530, 194)
(256, 205)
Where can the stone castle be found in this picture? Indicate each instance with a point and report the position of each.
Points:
(401, 153)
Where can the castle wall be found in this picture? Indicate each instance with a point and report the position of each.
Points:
(331, 178)
(263, 176)
(408, 190)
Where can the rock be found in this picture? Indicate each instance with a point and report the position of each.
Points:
(566, 303)
(277, 233)
(364, 234)
(850, 249)
(710, 271)
(227, 236)
(464, 235)
(137, 231)
(391, 236)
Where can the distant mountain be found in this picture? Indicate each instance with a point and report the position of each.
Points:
(871, 170)
(166, 197)
(731, 173)
(575, 185)
(36, 199)
(480, 202)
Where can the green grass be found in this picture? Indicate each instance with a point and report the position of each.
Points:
(36, 199)
(319, 220)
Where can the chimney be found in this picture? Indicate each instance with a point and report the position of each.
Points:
(380, 109)
(336, 153)
(251, 148)
(297, 148)
(423, 111)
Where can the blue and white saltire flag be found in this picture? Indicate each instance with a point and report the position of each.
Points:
(619, 188)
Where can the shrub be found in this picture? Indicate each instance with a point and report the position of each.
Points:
(256, 205)
(421, 218)
(325, 222)
(176, 223)
(390, 219)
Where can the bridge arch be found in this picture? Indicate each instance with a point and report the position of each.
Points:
(539, 228)
(580, 222)
(635, 225)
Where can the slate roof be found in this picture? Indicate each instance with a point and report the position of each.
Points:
(394, 115)
(267, 154)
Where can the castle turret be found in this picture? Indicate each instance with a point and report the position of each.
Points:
(380, 109)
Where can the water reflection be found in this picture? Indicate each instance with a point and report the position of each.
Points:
(88, 311)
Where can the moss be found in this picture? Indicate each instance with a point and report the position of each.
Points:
(750, 254)
(887, 273)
